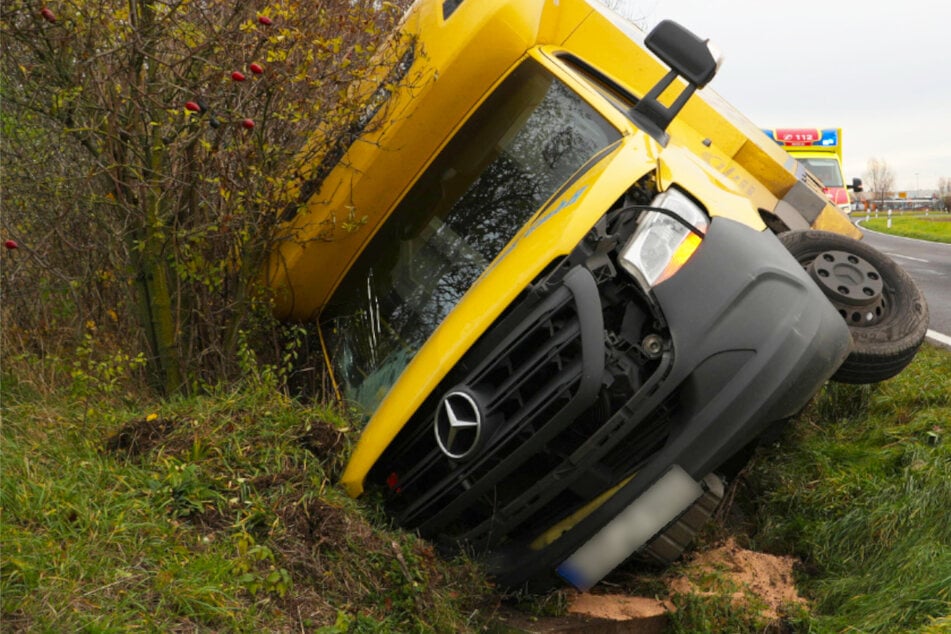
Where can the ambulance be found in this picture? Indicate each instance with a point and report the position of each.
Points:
(820, 151)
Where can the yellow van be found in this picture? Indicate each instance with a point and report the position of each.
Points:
(545, 264)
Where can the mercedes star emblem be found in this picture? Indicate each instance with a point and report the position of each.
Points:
(458, 425)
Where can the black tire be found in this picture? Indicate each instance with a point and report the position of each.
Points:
(884, 308)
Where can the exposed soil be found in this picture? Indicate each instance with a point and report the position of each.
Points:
(210, 520)
(316, 523)
(749, 578)
(617, 607)
(743, 574)
(140, 436)
(326, 442)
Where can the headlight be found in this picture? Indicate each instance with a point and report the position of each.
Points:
(662, 244)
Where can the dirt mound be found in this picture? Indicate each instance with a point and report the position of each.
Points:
(617, 607)
(747, 576)
(757, 581)
(326, 442)
(139, 436)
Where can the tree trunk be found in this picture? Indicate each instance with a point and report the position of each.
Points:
(155, 296)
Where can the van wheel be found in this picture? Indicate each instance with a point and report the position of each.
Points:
(885, 310)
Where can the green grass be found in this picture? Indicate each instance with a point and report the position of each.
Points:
(935, 227)
(860, 489)
(212, 514)
(221, 513)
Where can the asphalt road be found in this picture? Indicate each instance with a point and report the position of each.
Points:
(929, 264)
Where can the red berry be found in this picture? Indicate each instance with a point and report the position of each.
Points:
(256, 68)
(11, 244)
(191, 105)
(266, 21)
(247, 124)
(48, 15)
(237, 76)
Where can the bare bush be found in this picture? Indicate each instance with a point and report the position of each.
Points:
(147, 148)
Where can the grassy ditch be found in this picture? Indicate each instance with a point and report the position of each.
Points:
(209, 514)
(860, 490)
(220, 514)
(935, 227)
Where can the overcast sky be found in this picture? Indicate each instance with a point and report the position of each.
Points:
(879, 70)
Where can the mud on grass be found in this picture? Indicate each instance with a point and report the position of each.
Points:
(211, 514)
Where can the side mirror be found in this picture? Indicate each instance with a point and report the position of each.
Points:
(687, 56)
(694, 59)
(856, 185)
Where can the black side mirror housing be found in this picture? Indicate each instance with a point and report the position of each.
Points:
(687, 56)
(856, 185)
(684, 52)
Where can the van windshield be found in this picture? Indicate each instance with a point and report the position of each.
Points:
(826, 170)
(529, 137)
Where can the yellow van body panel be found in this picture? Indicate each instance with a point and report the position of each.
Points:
(445, 85)
(447, 82)
(708, 125)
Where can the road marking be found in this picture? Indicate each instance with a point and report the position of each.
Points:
(907, 257)
(938, 337)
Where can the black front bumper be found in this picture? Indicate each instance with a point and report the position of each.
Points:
(750, 340)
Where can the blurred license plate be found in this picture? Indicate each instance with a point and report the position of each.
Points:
(630, 529)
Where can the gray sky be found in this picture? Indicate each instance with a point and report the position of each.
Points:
(880, 71)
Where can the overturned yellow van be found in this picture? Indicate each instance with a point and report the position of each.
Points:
(545, 264)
